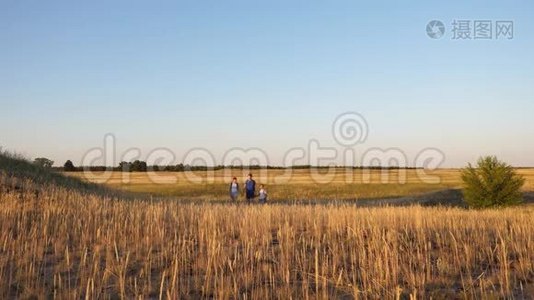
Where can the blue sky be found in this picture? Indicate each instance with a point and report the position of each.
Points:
(266, 74)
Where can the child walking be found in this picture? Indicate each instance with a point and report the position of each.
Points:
(263, 194)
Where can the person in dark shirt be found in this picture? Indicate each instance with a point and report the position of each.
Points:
(250, 188)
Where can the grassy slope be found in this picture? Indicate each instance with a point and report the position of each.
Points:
(17, 170)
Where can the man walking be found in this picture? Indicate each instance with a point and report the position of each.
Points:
(250, 188)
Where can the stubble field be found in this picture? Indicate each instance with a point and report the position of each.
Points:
(63, 244)
(59, 242)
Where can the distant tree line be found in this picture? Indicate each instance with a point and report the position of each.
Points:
(141, 166)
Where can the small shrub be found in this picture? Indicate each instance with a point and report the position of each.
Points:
(492, 183)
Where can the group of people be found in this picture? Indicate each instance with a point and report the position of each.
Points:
(250, 190)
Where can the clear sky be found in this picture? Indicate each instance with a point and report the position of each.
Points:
(266, 74)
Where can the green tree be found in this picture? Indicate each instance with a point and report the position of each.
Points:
(492, 183)
(69, 166)
(43, 162)
(125, 166)
(138, 166)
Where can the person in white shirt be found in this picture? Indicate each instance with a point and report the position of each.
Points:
(234, 189)
(263, 194)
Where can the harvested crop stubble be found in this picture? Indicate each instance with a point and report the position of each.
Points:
(67, 244)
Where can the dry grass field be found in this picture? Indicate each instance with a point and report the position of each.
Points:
(299, 185)
(59, 243)
(66, 239)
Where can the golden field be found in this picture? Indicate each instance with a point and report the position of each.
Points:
(292, 185)
(68, 239)
(56, 242)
